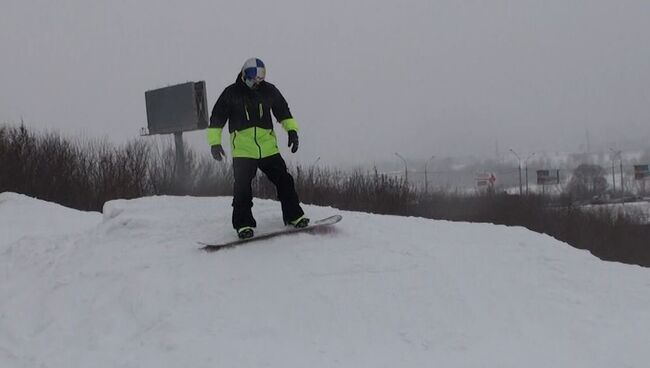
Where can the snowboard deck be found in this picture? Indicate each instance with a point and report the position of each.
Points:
(328, 221)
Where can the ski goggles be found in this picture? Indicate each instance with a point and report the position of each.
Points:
(253, 76)
(253, 82)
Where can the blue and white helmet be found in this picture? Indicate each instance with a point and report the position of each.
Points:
(253, 72)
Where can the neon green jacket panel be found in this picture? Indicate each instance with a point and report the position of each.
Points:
(254, 142)
(289, 124)
(214, 136)
(248, 113)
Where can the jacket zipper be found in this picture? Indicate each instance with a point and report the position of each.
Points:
(259, 148)
(258, 145)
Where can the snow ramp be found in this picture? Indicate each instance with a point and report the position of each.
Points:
(129, 288)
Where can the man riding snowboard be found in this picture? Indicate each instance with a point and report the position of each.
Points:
(246, 106)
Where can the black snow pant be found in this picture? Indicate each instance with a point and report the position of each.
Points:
(276, 171)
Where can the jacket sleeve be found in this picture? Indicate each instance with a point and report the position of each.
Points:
(218, 118)
(282, 113)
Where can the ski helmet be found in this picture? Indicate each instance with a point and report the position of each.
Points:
(253, 72)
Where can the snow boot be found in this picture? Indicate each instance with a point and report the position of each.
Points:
(300, 223)
(245, 232)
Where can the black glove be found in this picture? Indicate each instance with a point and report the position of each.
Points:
(217, 152)
(293, 141)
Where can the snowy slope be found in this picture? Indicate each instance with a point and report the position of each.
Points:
(21, 216)
(130, 289)
(638, 210)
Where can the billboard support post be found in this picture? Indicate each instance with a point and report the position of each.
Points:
(174, 110)
(181, 166)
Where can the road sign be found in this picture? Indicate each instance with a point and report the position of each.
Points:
(176, 109)
(547, 177)
(641, 172)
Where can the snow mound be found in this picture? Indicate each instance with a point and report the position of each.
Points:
(26, 217)
(129, 288)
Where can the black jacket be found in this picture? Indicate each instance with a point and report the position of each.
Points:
(242, 107)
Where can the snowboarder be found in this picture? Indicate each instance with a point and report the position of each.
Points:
(246, 106)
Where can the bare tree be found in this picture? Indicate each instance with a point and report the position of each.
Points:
(588, 181)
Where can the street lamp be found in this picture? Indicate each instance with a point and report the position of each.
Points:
(526, 164)
(521, 190)
(617, 154)
(406, 169)
(426, 175)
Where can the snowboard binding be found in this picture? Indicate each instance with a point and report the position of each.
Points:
(245, 233)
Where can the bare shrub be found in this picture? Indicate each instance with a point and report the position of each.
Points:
(85, 175)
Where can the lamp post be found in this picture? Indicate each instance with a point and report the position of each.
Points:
(620, 157)
(614, 153)
(426, 175)
(406, 169)
(526, 164)
(521, 190)
(618, 154)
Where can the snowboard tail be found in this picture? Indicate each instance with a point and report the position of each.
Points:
(320, 224)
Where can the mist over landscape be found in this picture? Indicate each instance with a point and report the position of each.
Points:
(365, 79)
(457, 183)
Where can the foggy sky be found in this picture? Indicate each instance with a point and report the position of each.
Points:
(363, 78)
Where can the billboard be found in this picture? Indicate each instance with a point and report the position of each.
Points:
(548, 177)
(487, 179)
(641, 172)
(178, 108)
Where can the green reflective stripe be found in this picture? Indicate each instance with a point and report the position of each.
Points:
(254, 142)
(289, 124)
(297, 220)
(214, 136)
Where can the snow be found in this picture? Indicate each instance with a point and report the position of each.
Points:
(21, 216)
(129, 288)
(639, 209)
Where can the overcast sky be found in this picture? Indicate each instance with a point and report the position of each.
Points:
(363, 78)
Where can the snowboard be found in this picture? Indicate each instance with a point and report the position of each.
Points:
(313, 227)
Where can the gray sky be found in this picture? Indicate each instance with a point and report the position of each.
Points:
(363, 78)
